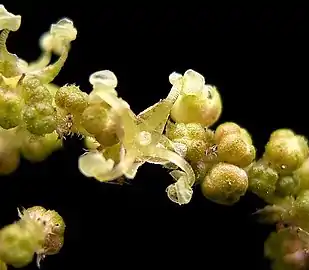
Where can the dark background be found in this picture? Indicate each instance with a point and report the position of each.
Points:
(256, 56)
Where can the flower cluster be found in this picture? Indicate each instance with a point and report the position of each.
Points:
(177, 133)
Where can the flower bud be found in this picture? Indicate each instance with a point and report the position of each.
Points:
(17, 245)
(72, 99)
(10, 109)
(203, 107)
(287, 185)
(38, 148)
(99, 121)
(262, 179)
(286, 154)
(225, 184)
(234, 149)
(40, 118)
(302, 175)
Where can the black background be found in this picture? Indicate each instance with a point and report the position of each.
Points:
(256, 56)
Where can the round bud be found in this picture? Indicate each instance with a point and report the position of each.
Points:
(195, 131)
(36, 212)
(301, 206)
(98, 120)
(195, 149)
(10, 109)
(200, 169)
(226, 129)
(72, 99)
(175, 131)
(203, 107)
(55, 222)
(34, 92)
(286, 154)
(40, 118)
(282, 133)
(17, 245)
(234, 149)
(302, 175)
(287, 185)
(262, 179)
(38, 148)
(9, 160)
(245, 135)
(225, 184)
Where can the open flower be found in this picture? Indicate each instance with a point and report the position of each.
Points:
(141, 139)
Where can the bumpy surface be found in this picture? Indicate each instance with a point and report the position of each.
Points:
(176, 132)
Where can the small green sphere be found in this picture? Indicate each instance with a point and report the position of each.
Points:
(286, 154)
(287, 185)
(225, 184)
(203, 107)
(10, 110)
(225, 129)
(235, 150)
(72, 99)
(40, 118)
(262, 179)
(17, 245)
(302, 174)
(99, 121)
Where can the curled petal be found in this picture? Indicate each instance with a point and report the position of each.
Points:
(8, 20)
(64, 29)
(180, 192)
(193, 82)
(93, 163)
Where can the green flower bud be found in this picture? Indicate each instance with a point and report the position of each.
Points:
(9, 160)
(225, 184)
(17, 245)
(197, 102)
(245, 135)
(55, 221)
(176, 131)
(301, 204)
(287, 185)
(286, 154)
(98, 120)
(72, 99)
(10, 109)
(302, 175)
(201, 169)
(38, 148)
(203, 108)
(3, 266)
(225, 129)
(234, 149)
(9, 154)
(282, 133)
(34, 92)
(36, 212)
(262, 179)
(40, 118)
(195, 149)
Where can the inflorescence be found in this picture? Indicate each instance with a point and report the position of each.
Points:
(37, 115)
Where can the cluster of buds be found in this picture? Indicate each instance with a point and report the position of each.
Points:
(38, 231)
(177, 132)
